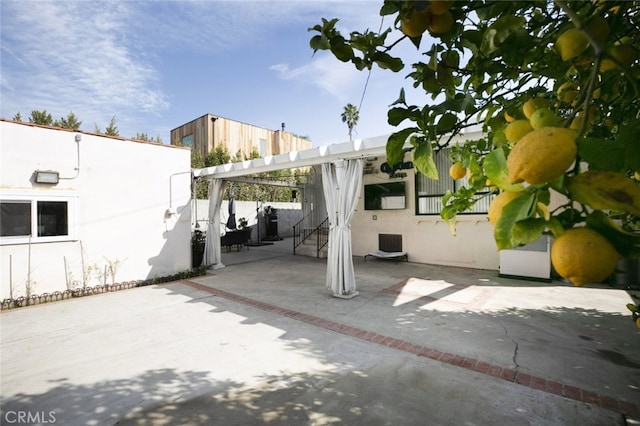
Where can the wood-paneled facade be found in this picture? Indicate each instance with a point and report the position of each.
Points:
(209, 131)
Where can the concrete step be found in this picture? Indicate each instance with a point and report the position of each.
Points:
(310, 250)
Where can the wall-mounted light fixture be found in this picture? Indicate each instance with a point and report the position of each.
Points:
(47, 176)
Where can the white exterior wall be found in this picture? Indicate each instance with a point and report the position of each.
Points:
(426, 239)
(121, 193)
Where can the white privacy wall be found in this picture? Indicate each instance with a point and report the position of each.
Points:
(121, 192)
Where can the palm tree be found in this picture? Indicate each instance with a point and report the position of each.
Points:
(350, 115)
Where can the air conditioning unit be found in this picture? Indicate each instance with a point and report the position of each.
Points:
(532, 261)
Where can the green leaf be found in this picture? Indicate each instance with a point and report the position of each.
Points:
(423, 159)
(602, 154)
(495, 168)
(446, 123)
(433, 58)
(555, 226)
(626, 243)
(397, 115)
(528, 230)
(520, 208)
(341, 49)
(388, 8)
(401, 99)
(395, 145)
(628, 138)
(505, 25)
(386, 61)
(471, 39)
(318, 42)
(488, 42)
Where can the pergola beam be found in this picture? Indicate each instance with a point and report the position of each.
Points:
(361, 148)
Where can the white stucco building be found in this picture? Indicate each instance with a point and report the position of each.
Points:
(105, 203)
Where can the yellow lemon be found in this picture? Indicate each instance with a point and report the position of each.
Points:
(571, 44)
(517, 129)
(576, 123)
(542, 155)
(605, 190)
(620, 56)
(417, 22)
(599, 28)
(567, 92)
(457, 171)
(439, 7)
(529, 107)
(544, 117)
(582, 255)
(638, 322)
(636, 175)
(498, 203)
(441, 24)
(508, 117)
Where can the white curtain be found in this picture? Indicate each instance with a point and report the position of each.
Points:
(212, 256)
(342, 182)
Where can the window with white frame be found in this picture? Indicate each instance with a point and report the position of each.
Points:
(429, 192)
(36, 218)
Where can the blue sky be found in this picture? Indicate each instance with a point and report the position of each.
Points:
(156, 65)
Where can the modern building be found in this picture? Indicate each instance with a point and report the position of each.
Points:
(78, 208)
(209, 131)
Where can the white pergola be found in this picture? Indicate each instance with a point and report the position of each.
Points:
(342, 182)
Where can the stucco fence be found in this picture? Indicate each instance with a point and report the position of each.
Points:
(288, 215)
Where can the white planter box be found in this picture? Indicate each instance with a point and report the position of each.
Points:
(530, 261)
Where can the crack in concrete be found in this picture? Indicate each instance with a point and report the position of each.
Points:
(514, 358)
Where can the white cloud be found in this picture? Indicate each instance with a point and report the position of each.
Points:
(76, 56)
(339, 79)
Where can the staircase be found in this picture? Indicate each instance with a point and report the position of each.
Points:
(312, 242)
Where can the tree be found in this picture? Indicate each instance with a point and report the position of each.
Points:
(568, 66)
(350, 115)
(70, 122)
(244, 191)
(141, 136)
(112, 129)
(17, 117)
(218, 155)
(41, 117)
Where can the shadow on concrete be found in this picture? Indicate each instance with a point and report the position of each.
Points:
(165, 397)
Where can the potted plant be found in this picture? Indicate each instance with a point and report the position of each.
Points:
(242, 223)
(197, 247)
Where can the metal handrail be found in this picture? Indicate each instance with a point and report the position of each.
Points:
(300, 234)
(322, 237)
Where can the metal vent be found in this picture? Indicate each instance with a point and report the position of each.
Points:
(390, 242)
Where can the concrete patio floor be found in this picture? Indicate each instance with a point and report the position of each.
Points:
(262, 341)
